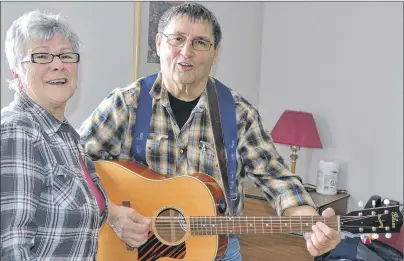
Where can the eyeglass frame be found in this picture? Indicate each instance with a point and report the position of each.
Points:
(31, 56)
(166, 35)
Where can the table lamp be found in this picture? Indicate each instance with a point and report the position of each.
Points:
(297, 129)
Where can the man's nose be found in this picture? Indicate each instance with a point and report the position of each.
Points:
(187, 50)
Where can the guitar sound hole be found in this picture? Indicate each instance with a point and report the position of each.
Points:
(171, 226)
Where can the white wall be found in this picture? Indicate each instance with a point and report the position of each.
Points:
(343, 62)
(105, 31)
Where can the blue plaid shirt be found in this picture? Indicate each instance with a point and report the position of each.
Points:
(171, 151)
(48, 211)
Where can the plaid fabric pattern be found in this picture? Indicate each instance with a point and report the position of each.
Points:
(48, 211)
(107, 134)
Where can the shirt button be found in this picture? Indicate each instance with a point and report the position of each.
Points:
(181, 151)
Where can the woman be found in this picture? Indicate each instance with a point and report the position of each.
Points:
(52, 203)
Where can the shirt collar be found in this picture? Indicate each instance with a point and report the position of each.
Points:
(160, 93)
(49, 123)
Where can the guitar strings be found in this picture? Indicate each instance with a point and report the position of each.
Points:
(221, 225)
(291, 218)
(241, 229)
(230, 223)
(273, 217)
(197, 225)
(166, 220)
(276, 225)
(260, 227)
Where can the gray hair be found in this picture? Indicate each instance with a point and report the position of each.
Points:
(195, 12)
(34, 26)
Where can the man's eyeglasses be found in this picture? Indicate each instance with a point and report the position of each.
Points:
(177, 40)
(48, 58)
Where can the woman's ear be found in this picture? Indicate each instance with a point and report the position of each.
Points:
(17, 78)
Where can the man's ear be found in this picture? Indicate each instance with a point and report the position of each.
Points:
(217, 50)
(158, 43)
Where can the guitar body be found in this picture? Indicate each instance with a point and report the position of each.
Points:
(152, 195)
(187, 220)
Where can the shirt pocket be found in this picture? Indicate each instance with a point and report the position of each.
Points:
(68, 188)
(207, 159)
(158, 153)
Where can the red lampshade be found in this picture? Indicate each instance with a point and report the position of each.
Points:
(296, 128)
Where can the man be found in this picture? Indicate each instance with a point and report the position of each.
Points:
(180, 140)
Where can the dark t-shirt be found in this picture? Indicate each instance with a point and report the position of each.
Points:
(181, 109)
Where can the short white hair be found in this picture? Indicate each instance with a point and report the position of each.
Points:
(34, 26)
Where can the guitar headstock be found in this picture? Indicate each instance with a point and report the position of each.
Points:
(385, 219)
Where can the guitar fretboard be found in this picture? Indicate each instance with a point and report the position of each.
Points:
(207, 225)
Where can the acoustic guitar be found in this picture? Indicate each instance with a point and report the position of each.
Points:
(188, 221)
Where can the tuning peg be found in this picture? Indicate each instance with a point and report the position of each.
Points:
(386, 202)
(360, 205)
(388, 235)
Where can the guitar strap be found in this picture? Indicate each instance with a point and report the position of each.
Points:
(224, 124)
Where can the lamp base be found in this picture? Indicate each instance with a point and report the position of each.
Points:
(294, 157)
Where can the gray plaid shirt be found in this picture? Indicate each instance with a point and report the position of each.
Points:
(48, 211)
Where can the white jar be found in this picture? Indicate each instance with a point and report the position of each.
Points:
(327, 177)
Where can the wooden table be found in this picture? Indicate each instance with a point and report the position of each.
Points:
(269, 247)
(285, 247)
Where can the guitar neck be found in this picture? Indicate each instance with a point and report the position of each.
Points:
(207, 225)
